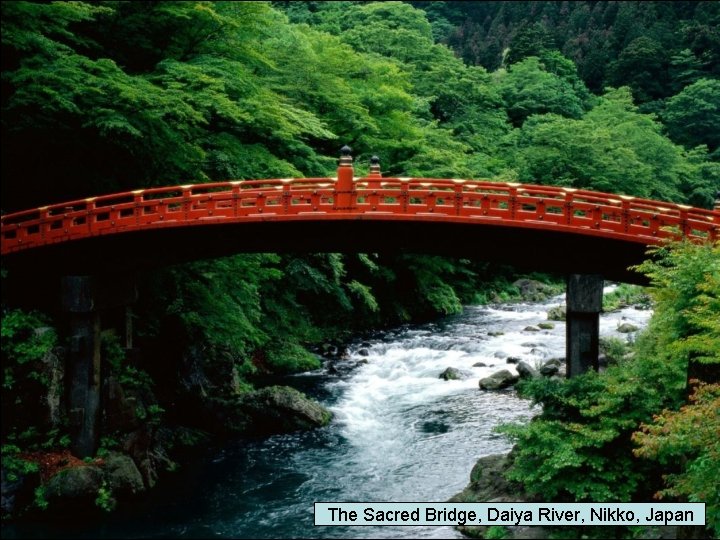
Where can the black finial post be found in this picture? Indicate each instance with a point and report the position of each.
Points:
(374, 165)
(345, 156)
(344, 195)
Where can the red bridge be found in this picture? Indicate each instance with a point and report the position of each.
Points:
(543, 227)
(88, 248)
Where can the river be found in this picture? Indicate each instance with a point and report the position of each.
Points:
(399, 434)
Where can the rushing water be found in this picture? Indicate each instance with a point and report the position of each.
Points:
(399, 434)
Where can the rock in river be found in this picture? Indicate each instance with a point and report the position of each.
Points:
(626, 328)
(498, 380)
(526, 371)
(281, 409)
(546, 325)
(557, 313)
(549, 369)
(451, 374)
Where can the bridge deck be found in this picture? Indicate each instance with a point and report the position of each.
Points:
(433, 215)
(411, 199)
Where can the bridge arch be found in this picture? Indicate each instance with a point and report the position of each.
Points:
(587, 235)
(540, 227)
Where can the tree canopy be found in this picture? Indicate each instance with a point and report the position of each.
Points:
(120, 95)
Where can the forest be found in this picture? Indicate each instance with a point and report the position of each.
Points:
(620, 97)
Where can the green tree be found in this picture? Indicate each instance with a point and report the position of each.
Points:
(686, 286)
(159, 90)
(613, 148)
(685, 69)
(392, 29)
(530, 40)
(27, 340)
(688, 436)
(700, 179)
(686, 327)
(529, 87)
(693, 116)
(642, 65)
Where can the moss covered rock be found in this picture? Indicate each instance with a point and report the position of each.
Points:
(498, 380)
(532, 290)
(488, 484)
(122, 475)
(75, 484)
(558, 313)
(546, 326)
(626, 328)
(487, 481)
(281, 409)
(451, 374)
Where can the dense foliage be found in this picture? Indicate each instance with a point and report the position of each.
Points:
(258, 308)
(580, 447)
(656, 48)
(27, 339)
(583, 445)
(689, 435)
(119, 95)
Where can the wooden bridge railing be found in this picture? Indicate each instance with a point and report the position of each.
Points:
(372, 197)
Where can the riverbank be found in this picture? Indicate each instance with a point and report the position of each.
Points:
(398, 431)
(175, 391)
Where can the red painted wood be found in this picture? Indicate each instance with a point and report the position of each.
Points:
(372, 198)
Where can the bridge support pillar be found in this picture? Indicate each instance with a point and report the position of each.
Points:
(584, 304)
(84, 298)
(84, 362)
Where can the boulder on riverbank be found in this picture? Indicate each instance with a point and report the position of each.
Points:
(488, 484)
(556, 361)
(532, 290)
(487, 481)
(122, 475)
(553, 367)
(548, 370)
(526, 371)
(498, 380)
(281, 409)
(74, 485)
